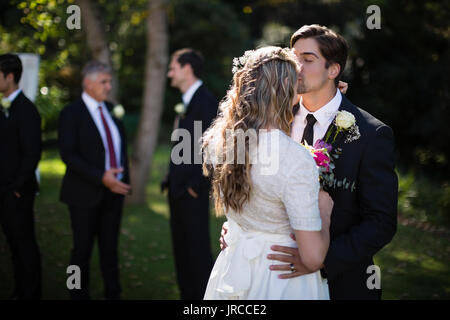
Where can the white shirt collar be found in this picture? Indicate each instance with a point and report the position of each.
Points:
(326, 113)
(13, 95)
(187, 96)
(91, 103)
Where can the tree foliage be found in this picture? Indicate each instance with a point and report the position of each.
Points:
(397, 73)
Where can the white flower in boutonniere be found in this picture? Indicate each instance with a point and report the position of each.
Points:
(180, 108)
(345, 120)
(6, 104)
(119, 111)
(326, 153)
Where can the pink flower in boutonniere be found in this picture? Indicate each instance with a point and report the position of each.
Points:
(325, 154)
(320, 153)
(322, 160)
(320, 144)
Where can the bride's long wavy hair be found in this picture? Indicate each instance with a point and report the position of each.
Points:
(260, 97)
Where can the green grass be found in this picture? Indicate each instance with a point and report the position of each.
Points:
(415, 265)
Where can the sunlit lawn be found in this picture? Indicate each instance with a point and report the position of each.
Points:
(414, 266)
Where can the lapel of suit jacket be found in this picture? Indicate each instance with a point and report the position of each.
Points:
(194, 97)
(91, 124)
(121, 132)
(16, 102)
(117, 122)
(346, 105)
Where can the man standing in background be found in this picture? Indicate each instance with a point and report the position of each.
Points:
(93, 146)
(188, 188)
(20, 150)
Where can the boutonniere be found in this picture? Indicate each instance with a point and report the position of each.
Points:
(180, 109)
(324, 153)
(6, 104)
(344, 122)
(118, 111)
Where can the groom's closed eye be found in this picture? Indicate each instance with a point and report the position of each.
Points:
(308, 56)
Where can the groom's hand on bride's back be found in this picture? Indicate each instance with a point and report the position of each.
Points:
(287, 256)
(343, 87)
(110, 181)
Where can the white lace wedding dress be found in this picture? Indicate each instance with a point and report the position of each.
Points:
(284, 197)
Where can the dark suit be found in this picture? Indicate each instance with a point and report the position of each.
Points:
(94, 210)
(365, 220)
(20, 152)
(189, 217)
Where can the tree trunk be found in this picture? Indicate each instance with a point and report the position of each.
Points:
(155, 81)
(96, 40)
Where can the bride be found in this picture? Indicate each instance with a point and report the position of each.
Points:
(265, 195)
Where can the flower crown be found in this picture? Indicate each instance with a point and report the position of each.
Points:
(240, 62)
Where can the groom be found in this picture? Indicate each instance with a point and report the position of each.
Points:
(365, 220)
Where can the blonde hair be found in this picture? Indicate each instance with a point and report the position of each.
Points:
(260, 97)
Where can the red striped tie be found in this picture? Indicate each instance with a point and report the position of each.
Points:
(112, 154)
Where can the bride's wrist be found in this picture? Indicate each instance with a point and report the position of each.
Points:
(326, 223)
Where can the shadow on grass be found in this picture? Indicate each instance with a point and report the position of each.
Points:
(415, 265)
(146, 259)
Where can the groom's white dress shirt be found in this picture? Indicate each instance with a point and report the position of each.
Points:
(324, 117)
(93, 107)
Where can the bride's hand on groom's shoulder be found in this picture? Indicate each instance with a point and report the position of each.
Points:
(343, 87)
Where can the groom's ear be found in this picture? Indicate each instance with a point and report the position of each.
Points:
(333, 71)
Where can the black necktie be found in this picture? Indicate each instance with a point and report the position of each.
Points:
(308, 133)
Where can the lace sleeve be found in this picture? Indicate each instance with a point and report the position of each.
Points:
(301, 191)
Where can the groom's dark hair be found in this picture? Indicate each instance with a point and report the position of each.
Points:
(191, 57)
(332, 46)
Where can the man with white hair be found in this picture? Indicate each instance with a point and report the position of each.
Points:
(93, 146)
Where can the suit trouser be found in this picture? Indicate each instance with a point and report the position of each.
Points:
(103, 222)
(352, 285)
(17, 221)
(189, 222)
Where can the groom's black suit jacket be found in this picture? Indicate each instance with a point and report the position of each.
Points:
(82, 151)
(20, 147)
(365, 220)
